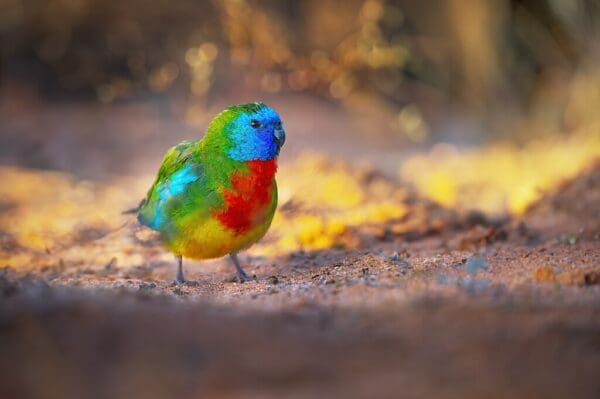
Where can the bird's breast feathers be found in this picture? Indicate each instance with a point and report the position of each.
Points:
(247, 202)
(243, 217)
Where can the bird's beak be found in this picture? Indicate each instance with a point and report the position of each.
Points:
(279, 137)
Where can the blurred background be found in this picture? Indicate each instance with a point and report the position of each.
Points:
(475, 105)
(424, 241)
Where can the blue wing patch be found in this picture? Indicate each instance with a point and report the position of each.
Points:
(169, 189)
(177, 183)
(166, 193)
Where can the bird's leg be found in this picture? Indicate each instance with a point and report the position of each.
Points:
(242, 276)
(179, 279)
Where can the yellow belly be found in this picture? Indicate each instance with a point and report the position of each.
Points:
(210, 239)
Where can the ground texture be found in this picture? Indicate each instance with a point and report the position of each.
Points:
(432, 303)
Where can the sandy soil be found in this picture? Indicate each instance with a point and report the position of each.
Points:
(460, 306)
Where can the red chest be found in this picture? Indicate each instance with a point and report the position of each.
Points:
(247, 202)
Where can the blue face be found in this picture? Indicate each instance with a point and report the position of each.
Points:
(257, 134)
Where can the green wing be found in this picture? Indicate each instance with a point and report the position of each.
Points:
(174, 159)
(178, 187)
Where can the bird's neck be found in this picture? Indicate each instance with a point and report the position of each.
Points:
(254, 177)
(222, 168)
(264, 170)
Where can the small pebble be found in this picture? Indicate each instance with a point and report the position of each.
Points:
(592, 278)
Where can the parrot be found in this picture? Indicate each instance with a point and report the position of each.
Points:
(216, 196)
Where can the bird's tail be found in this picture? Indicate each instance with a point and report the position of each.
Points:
(136, 209)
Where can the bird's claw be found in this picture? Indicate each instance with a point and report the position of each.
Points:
(243, 277)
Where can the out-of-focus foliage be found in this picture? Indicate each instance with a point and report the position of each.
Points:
(502, 177)
(527, 69)
(409, 59)
(321, 201)
(51, 204)
(324, 198)
(51, 211)
(507, 176)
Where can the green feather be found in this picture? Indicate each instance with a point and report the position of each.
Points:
(209, 167)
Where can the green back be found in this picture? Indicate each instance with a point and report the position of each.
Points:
(190, 175)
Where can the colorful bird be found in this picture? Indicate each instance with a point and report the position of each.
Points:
(217, 196)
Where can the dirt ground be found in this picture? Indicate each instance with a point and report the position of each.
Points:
(454, 306)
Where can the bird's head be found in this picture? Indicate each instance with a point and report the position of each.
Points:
(252, 131)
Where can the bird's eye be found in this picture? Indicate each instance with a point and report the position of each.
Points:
(278, 125)
(254, 123)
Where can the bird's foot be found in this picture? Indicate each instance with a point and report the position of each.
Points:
(241, 274)
(243, 277)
